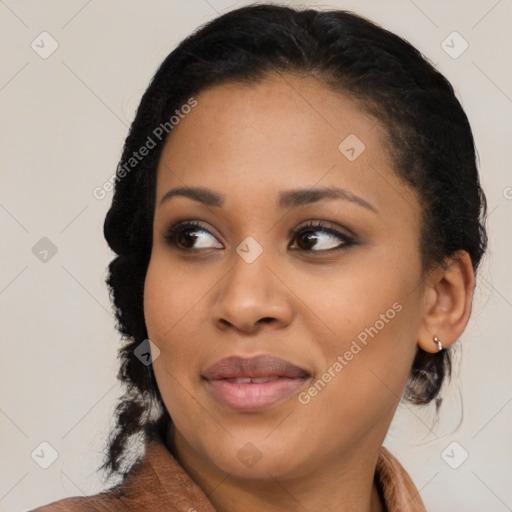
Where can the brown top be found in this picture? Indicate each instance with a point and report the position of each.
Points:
(159, 482)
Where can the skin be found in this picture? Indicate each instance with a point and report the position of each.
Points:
(248, 143)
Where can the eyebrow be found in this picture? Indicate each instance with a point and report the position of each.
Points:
(287, 199)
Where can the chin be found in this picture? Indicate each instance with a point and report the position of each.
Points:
(261, 460)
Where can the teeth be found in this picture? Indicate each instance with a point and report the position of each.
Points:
(247, 380)
(262, 379)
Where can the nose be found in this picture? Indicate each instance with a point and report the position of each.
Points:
(251, 295)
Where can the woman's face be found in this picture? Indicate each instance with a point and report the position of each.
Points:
(279, 267)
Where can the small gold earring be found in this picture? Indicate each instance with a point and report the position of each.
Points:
(438, 343)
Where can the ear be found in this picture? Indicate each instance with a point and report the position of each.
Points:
(448, 295)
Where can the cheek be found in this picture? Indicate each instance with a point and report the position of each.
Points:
(369, 298)
(169, 300)
(373, 314)
(170, 311)
(363, 380)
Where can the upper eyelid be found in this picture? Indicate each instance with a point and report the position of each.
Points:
(321, 225)
(313, 225)
(191, 224)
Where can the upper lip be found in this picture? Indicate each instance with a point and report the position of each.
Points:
(254, 367)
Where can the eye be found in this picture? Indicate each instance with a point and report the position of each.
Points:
(190, 235)
(315, 237)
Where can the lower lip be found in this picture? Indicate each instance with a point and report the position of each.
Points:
(250, 397)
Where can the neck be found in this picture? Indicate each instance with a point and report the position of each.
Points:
(343, 483)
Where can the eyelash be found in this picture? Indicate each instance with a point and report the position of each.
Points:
(312, 226)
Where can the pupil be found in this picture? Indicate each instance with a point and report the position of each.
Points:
(310, 240)
(187, 238)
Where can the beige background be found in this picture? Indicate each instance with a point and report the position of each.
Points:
(63, 122)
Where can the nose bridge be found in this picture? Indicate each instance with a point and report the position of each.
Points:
(248, 282)
(250, 291)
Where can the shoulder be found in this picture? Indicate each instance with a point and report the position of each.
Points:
(399, 491)
(106, 501)
(155, 482)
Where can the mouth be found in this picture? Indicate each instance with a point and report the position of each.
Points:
(253, 384)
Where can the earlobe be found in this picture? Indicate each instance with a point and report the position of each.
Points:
(448, 297)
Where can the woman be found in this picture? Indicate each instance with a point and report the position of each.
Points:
(298, 221)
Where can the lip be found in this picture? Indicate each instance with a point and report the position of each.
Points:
(230, 381)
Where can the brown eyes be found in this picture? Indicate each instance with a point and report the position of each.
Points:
(184, 235)
(313, 237)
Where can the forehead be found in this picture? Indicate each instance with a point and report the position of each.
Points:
(282, 132)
